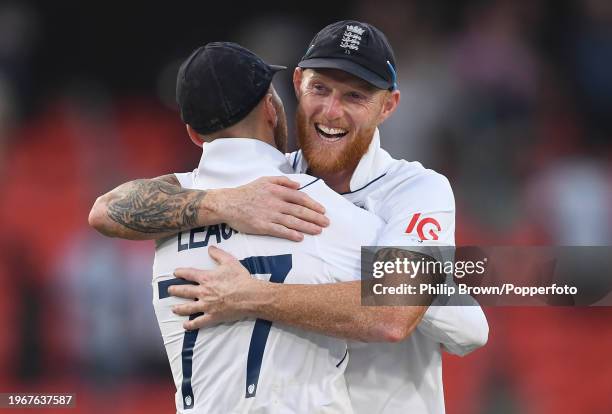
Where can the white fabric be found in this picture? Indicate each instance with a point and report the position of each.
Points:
(407, 377)
(299, 372)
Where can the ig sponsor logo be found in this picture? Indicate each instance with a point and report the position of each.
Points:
(427, 228)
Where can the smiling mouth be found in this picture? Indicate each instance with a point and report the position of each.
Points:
(330, 134)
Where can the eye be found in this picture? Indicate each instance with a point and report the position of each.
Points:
(355, 96)
(319, 87)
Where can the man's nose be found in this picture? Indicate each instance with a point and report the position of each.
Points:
(333, 108)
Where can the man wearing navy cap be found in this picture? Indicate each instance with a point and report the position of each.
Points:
(231, 109)
(346, 87)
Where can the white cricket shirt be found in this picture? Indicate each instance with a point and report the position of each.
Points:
(418, 208)
(254, 366)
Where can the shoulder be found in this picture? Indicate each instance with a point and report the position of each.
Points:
(419, 207)
(305, 180)
(317, 189)
(338, 209)
(410, 182)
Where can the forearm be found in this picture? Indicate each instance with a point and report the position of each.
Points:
(151, 209)
(333, 309)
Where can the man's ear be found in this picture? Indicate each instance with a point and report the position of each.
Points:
(390, 103)
(270, 110)
(297, 81)
(195, 137)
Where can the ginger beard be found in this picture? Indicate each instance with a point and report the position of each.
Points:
(325, 158)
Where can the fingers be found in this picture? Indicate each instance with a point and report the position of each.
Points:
(279, 230)
(202, 321)
(304, 214)
(184, 291)
(186, 309)
(282, 180)
(304, 200)
(220, 256)
(189, 273)
(297, 224)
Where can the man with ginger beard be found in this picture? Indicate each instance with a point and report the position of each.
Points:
(335, 163)
(346, 86)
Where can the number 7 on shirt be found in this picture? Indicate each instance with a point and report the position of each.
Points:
(278, 268)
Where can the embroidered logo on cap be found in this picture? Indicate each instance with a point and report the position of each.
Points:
(351, 38)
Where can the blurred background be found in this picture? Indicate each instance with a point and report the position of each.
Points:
(512, 100)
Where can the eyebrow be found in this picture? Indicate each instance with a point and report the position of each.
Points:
(350, 81)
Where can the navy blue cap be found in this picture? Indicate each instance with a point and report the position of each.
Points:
(220, 84)
(354, 47)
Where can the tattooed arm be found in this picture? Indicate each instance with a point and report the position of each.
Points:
(148, 209)
(155, 208)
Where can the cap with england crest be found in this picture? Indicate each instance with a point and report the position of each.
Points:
(354, 47)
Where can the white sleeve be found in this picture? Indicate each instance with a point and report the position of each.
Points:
(420, 215)
(460, 329)
(422, 218)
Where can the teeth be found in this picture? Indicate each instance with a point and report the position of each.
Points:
(332, 131)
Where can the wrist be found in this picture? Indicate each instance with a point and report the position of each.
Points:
(259, 298)
(210, 210)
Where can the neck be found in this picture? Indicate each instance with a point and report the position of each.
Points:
(258, 132)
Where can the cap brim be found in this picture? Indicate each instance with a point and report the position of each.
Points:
(346, 66)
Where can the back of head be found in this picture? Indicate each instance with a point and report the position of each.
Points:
(219, 84)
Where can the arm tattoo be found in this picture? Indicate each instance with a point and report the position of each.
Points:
(156, 206)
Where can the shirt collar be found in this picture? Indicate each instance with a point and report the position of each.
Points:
(374, 163)
(237, 161)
